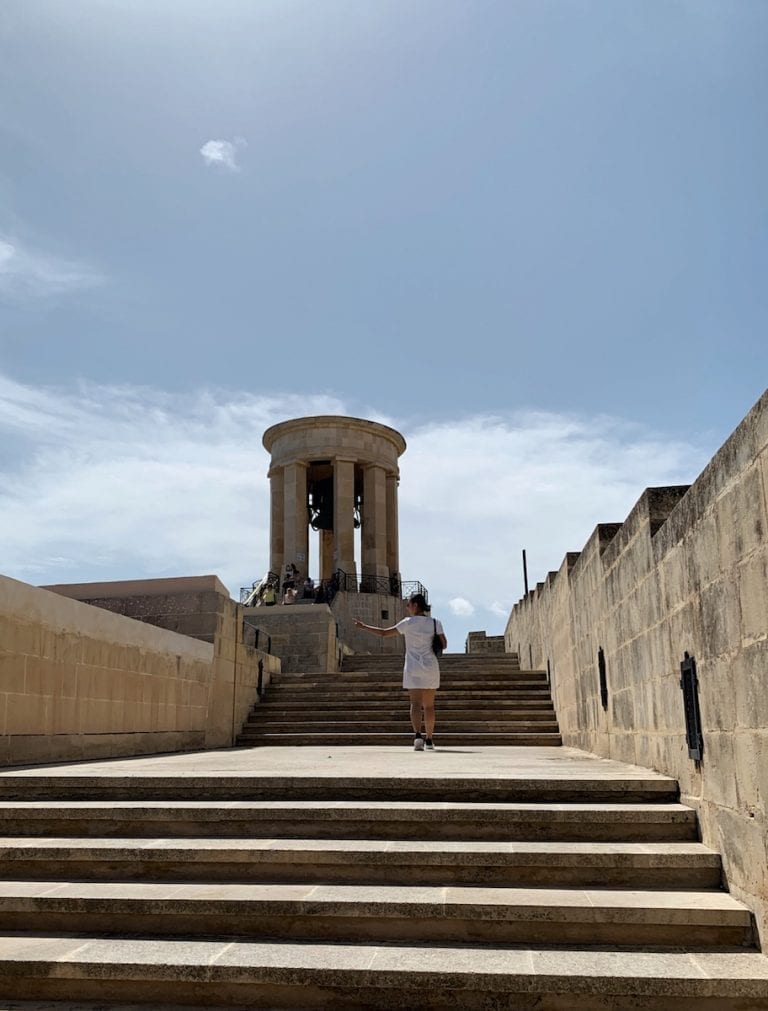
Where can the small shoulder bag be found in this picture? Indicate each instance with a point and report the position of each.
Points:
(437, 642)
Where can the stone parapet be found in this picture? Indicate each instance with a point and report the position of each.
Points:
(686, 572)
(77, 682)
(378, 609)
(142, 704)
(303, 636)
(479, 642)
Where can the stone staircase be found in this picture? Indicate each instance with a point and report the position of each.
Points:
(482, 700)
(479, 878)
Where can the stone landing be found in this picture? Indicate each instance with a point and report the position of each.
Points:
(364, 877)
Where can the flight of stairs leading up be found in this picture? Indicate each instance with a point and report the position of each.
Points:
(482, 700)
(569, 886)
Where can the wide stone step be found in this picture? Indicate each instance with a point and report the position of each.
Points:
(382, 712)
(326, 694)
(352, 819)
(461, 914)
(396, 681)
(392, 739)
(281, 974)
(394, 675)
(367, 861)
(453, 674)
(449, 727)
(446, 660)
(429, 777)
(395, 704)
(395, 686)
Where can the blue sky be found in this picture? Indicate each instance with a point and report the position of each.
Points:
(461, 217)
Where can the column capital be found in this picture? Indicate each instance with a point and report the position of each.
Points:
(344, 459)
(275, 470)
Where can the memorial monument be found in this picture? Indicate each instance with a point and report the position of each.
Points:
(334, 475)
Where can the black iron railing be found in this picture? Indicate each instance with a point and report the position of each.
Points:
(391, 586)
(250, 594)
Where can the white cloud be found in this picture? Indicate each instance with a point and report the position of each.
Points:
(223, 153)
(474, 492)
(460, 607)
(25, 273)
(107, 483)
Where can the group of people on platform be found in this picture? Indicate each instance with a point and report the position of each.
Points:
(293, 590)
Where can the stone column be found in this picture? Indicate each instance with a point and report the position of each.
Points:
(326, 554)
(343, 515)
(374, 539)
(296, 517)
(393, 539)
(276, 521)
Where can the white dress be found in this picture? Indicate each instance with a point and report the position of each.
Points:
(421, 667)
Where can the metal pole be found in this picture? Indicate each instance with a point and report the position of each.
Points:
(525, 573)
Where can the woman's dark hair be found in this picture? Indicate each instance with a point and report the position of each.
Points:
(420, 601)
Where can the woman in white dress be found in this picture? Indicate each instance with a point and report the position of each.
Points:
(421, 673)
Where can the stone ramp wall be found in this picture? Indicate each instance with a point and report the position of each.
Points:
(77, 682)
(84, 681)
(199, 607)
(687, 571)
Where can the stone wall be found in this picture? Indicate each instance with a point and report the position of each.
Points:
(302, 635)
(374, 609)
(77, 682)
(687, 571)
(479, 642)
(200, 607)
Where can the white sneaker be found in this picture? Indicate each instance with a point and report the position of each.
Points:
(429, 744)
(418, 744)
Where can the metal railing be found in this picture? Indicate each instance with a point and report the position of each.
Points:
(250, 594)
(391, 586)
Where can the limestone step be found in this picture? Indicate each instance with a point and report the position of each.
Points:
(307, 911)
(455, 674)
(274, 711)
(393, 739)
(352, 819)
(447, 660)
(458, 673)
(363, 684)
(274, 974)
(350, 723)
(378, 694)
(424, 781)
(397, 702)
(367, 861)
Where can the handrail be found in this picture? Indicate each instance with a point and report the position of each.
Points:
(391, 586)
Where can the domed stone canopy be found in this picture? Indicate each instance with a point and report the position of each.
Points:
(334, 474)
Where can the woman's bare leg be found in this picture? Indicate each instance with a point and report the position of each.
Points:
(416, 708)
(428, 705)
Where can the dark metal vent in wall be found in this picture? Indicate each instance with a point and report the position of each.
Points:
(603, 678)
(689, 683)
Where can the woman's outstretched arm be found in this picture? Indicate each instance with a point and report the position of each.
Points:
(382, 632)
